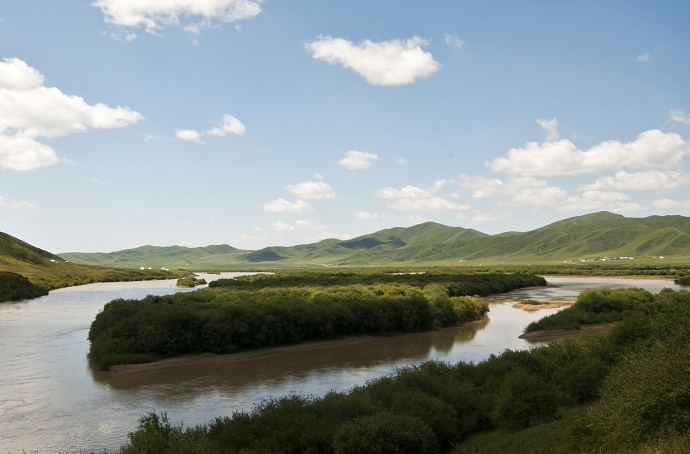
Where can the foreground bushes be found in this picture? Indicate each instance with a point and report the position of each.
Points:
(225, 320)
(630, 395)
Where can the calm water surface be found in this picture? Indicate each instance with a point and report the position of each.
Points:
(51, 398)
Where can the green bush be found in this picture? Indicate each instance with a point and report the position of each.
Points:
(385, 433)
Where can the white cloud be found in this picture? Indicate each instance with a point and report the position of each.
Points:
(356, 160)
(227, 124)
(258, 229)
(283, 206)
(190, 135)
(394, 62)
(410, 191)
(418, 198)
(148, 137)
(644, 58)
(668, 203)
(490, 215)
(29, 110)
(453, 40)
(280, 226)
(317, 176)
(22, 205)
(651, 149)
(154, 15)
(492, 187)
(680, 116)
(550, 127)
(364, 216)
(400, 161)
(650, 180)
(311, 190)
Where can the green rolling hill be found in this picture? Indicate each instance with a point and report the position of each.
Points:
(593, 235)
(49, 271)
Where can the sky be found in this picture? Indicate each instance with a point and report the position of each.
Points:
(280, 122)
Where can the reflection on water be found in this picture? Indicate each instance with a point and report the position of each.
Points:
(52, 399)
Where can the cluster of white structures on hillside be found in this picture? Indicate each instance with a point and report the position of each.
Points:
(601, 259)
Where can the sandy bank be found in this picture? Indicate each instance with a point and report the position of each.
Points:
(205, 358)
(558, 333)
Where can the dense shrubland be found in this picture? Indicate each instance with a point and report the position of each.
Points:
(599, 306)
(626, 392)
(269, 311)
(190, 281)
(14, 286)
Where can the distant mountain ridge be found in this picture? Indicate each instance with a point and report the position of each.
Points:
(591, 235)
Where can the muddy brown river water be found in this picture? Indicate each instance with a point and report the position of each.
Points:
(52, 399)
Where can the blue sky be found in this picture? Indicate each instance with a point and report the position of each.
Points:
(199, 122)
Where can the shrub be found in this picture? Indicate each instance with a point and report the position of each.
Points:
(385, 433)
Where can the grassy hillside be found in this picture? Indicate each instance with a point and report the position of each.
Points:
(578, 238)
(50, 271)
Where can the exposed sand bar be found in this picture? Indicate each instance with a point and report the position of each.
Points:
(205, 358)
(558, 333)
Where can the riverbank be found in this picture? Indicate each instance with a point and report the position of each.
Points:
(213, 358)
(551, 334)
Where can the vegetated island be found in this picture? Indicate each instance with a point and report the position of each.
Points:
(190, 281)
(258, 311)
(42, 271)
(622, 392)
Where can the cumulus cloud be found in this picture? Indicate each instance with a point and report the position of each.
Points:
(669, 203)
(410, 191)
(680, 116)
(650, 180)
(644, 58)
(418, 198)
(190, 135)
(394, 62)
(284, 206)
(357, 160)
(227, 124)
(311, 190)
(492, 187)
(400, 161)
(558, 199)
(29, 110)
(22, 205)
(193, 15)
(651, 149)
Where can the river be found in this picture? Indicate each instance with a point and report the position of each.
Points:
(52, 399)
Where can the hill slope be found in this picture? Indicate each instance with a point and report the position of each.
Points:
(600, 234)
(50, 271)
